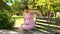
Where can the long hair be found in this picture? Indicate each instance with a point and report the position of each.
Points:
(26, 7)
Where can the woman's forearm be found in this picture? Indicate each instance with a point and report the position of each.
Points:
(39, 13)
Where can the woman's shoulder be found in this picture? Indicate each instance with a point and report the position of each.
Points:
(30, 10)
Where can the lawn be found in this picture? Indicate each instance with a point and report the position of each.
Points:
(18, 21)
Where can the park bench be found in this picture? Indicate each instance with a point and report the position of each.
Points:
(46, 26)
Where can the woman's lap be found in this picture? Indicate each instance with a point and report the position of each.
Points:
(27, 27)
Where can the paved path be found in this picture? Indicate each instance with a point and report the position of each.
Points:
(8, 32)
(15, 32)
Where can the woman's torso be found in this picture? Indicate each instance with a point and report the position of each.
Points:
(28, 18)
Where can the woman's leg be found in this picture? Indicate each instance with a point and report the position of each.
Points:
(25, 27)
(21, 30)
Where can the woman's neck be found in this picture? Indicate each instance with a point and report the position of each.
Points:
(26, 11)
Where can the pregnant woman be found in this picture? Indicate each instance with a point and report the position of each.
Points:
(28, 19)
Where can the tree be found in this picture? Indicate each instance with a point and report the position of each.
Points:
(42, 5)
(5, 15)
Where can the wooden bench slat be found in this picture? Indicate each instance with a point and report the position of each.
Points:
(45, 29)
(49, 26)
(35, 31)
(49, 23)
(48, 19)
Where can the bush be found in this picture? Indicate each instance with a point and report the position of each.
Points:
(5, 19)
(58, 21)
(58, 17)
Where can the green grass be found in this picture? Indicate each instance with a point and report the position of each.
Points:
(18, 21)
(17, 17)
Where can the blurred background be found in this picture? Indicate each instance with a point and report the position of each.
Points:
(11, 11)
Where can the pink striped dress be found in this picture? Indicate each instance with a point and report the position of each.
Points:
(28, 21)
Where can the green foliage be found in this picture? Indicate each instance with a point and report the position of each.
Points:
(5, 19)
(44, 5)
(58, 21)
(5, 16)
(58, 17)
(6, 7)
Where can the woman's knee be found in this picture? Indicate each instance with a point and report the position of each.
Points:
(20, 28)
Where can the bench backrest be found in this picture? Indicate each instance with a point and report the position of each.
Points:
(48, 25)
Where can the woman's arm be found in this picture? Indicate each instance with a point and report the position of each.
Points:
(37, 12)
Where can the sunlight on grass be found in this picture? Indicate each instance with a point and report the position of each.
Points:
(18, 21)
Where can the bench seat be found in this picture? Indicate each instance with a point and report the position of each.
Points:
(34, 31)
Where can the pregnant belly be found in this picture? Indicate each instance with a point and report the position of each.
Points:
(29, 22)
(26, 27)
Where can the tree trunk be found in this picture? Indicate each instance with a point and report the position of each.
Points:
(1, 4)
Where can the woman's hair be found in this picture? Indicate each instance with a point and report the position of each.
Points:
(26, 7)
